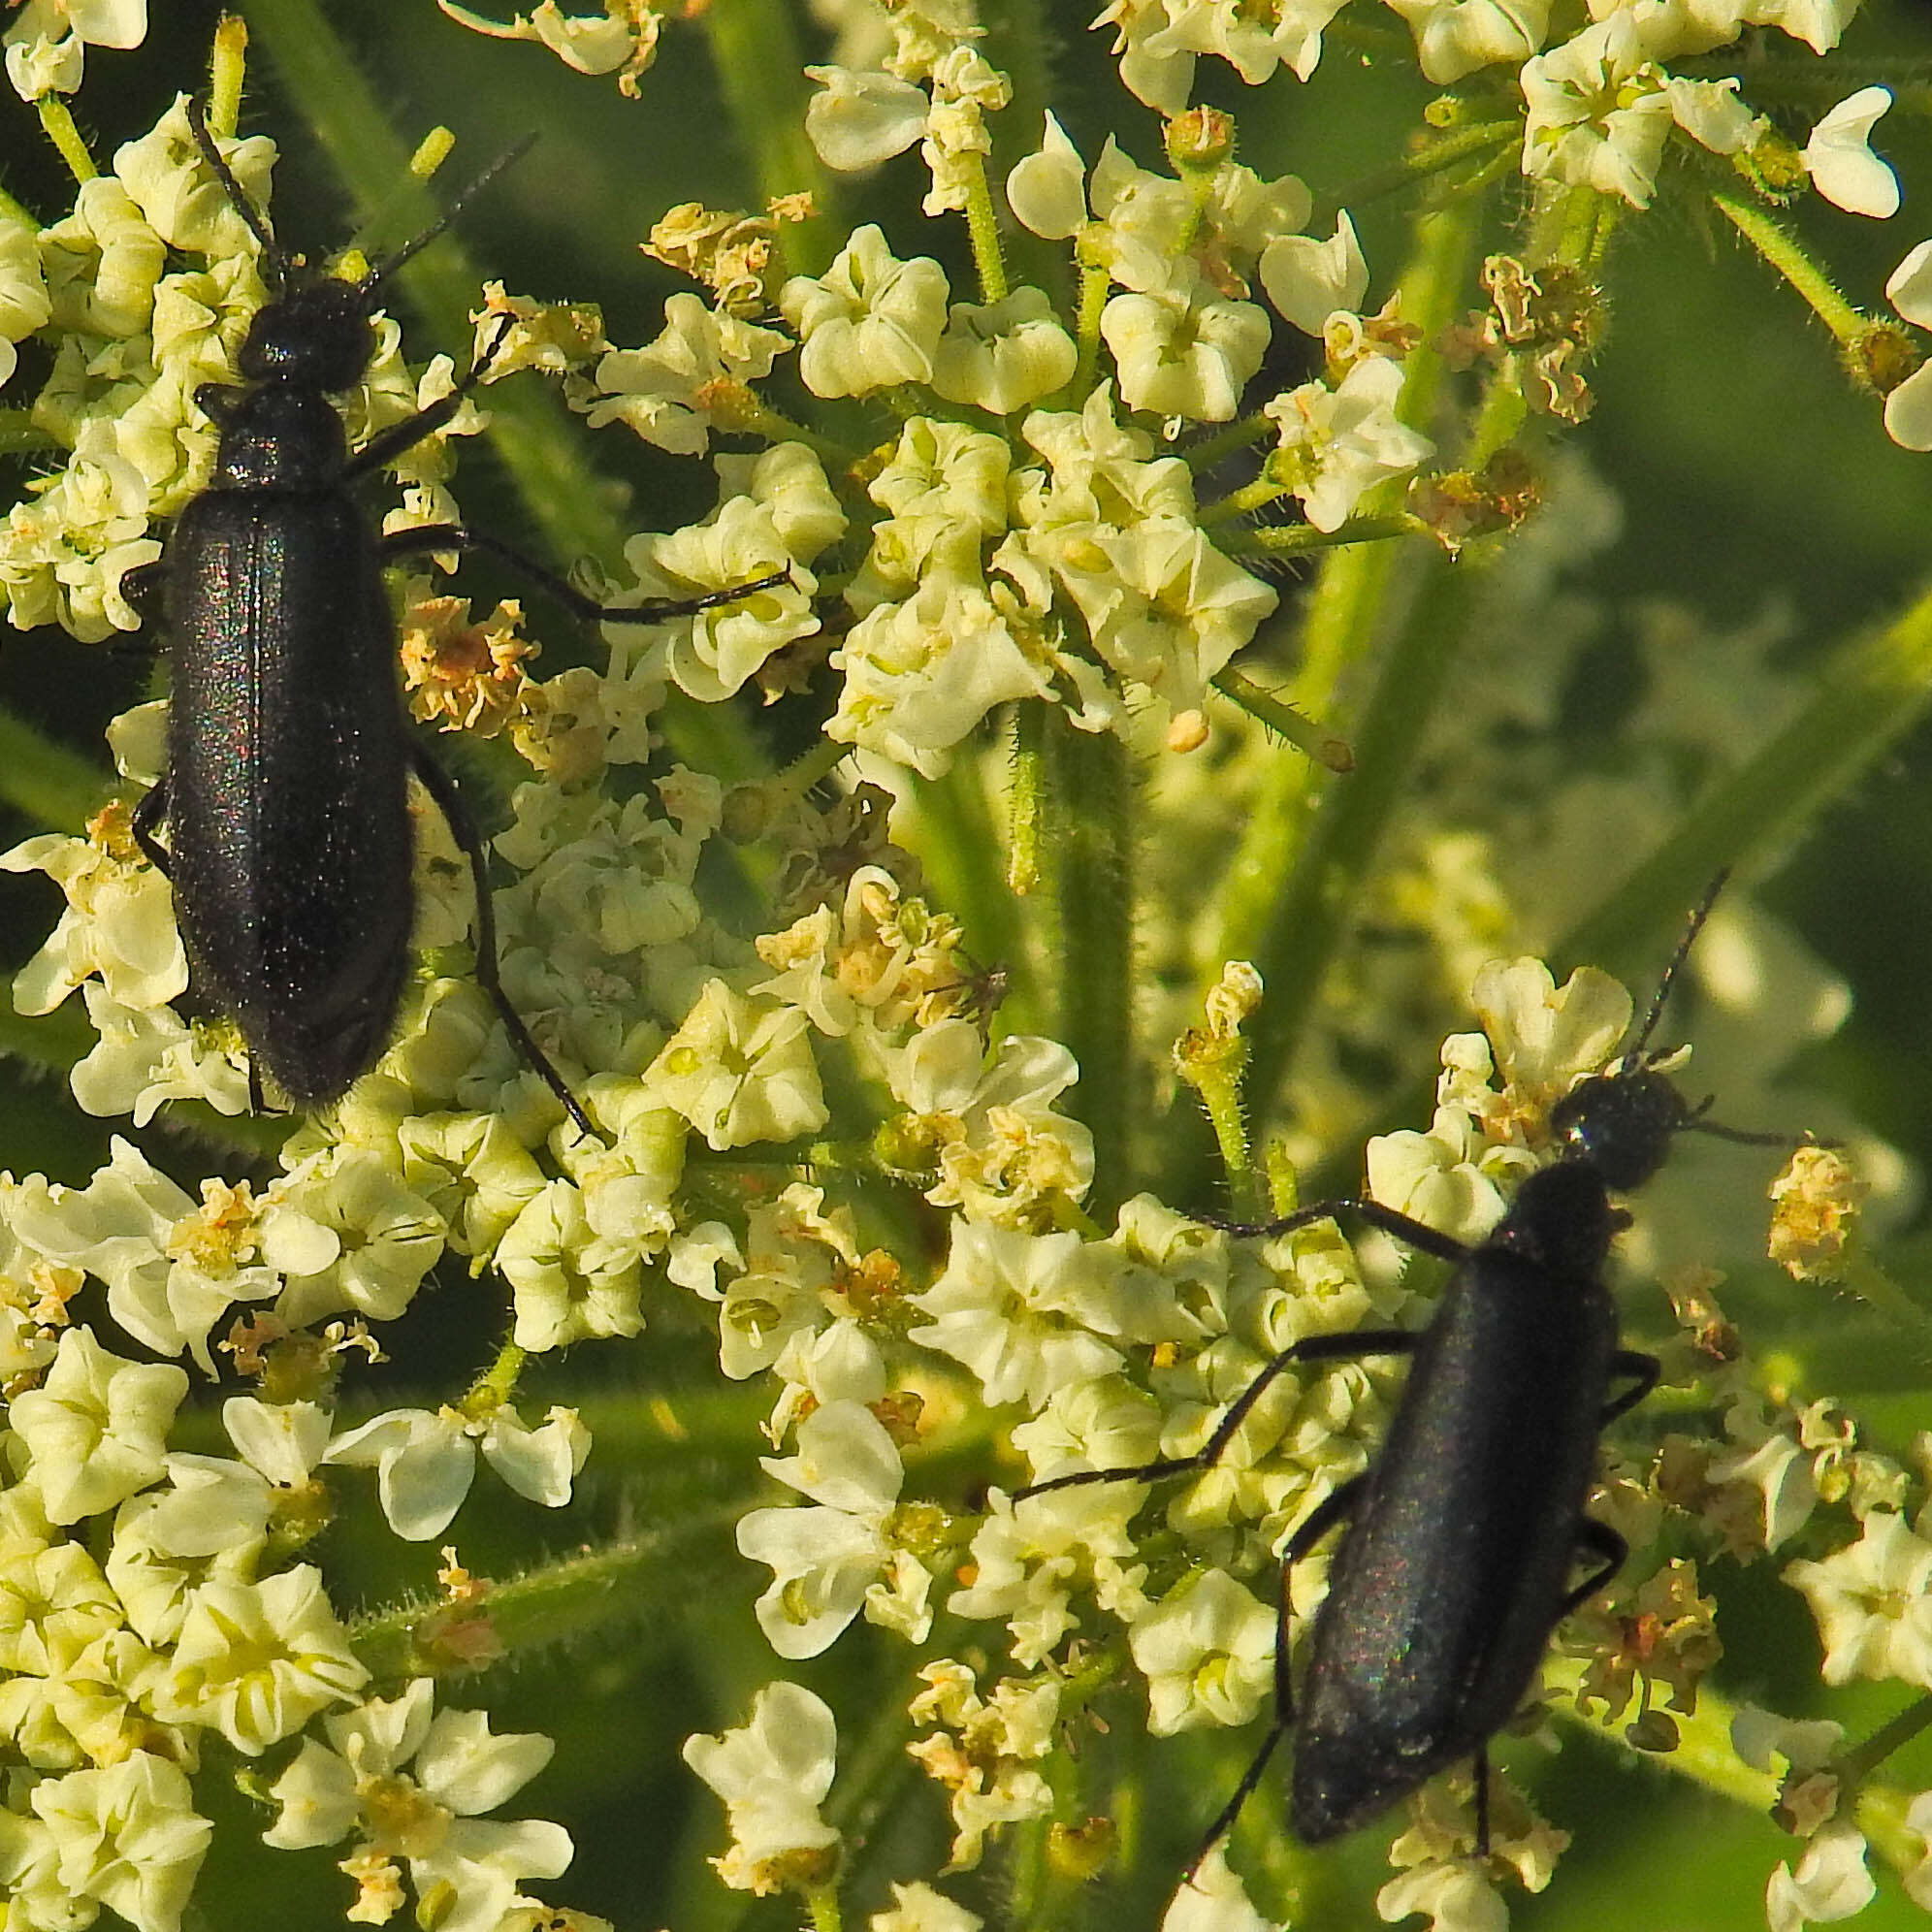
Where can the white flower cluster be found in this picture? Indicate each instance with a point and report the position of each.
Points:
(1599, 106)
(146, 1604)
(1029, 527)
(1023, 538)
(133, 340)
(665, 1026)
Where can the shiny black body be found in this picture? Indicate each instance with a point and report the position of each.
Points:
(1467, 1537)
(1462, 1536)
(289, 841)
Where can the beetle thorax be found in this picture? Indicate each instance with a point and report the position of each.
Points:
(276, 437)
(1561, 1220)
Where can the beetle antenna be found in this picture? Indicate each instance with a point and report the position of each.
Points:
(1633, 1054)
(238, 200)
(383, 270)
(1745, 1138)
(1693, 1122)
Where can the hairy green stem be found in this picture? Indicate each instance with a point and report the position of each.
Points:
(982, 225)
(1863, 1277)
(52, 788)
(1313, 916)
(1025, 855)
(1449, 151)
(1096, 285)
(1308, 736)
(1308, 846)
(1091, 803)
(1304, 539)
(1777, 246)
(759, 62)
(1870, 691)
(562, 1602)
(58, 125)
(958, 842)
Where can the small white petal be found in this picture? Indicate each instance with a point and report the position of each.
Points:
(1909, 410)
(1910, 289)
(1308, 280)
(1046, 189)
(862, 117)
(1843, 167)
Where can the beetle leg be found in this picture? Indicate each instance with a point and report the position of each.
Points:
(1479, 1767)
(430, 538)
(1643, 1370)
(149, 814)
(1311, 1348)
(1596, 1539)
(439, 783)
(1312, 1528)
(1413, 1234)
(386, 445)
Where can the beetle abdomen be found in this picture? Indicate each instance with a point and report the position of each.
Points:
(291, 888)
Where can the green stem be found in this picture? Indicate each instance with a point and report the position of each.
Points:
(806, 770)
(58, 125)
(1092, 805)
(227, 68)
(958, 844)
(1313, 913)
(1244, 501)
(1304, 539)
(1025, 856)
(752, 416)
(1861, 1760)
(1879, 1292)
(1095, 287)
(1706, 1756)
(52, 788)
(1289, 932)
(19, 435)
(498, 1383)
(1216, 1077)
(1283, 718)
(759, 62)
(561, 1601)
(1210, 451)
(982, 224)
(1448, 152)
(1704, 1751)
(1871, 690)
(1775, 82)
(1787, 254)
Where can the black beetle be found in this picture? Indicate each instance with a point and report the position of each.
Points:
(1464, 1533)
(288, 750)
